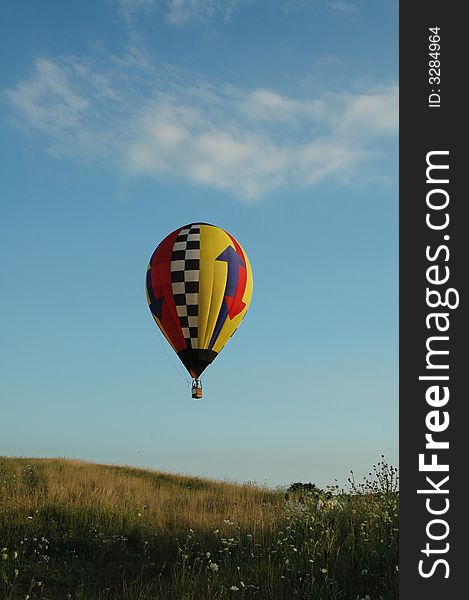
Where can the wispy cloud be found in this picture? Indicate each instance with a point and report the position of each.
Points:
(247, 143)
(342, 6)
(184, 12)
(128, 9)
(179, 12)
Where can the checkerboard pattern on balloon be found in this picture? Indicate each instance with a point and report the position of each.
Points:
(185, 270)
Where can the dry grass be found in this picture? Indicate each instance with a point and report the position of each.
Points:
(163, 500)
(80, 531)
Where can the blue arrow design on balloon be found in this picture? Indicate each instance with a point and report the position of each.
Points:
(233, 260)
(156, 304)
(156, 308)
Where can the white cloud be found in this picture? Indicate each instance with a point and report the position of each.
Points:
(342, 6)
(145, 119)
(374, 112)
(179, 12)
(64, 106)
(267, 104)
(184, 12)
(127, 9)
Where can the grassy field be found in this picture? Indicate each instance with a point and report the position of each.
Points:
(73, 530)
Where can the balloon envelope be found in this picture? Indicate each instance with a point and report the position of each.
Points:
(199, 286)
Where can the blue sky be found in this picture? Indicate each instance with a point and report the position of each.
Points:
(122, 120)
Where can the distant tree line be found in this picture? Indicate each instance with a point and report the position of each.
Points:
(304, 488)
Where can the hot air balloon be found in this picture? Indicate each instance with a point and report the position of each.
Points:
(199, 286)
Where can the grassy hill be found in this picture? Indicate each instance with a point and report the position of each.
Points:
(73, 530)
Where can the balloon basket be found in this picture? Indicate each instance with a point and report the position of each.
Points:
(196, 389)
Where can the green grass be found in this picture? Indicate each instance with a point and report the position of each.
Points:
(82, 531)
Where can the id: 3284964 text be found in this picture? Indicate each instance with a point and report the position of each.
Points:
(434, 67)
